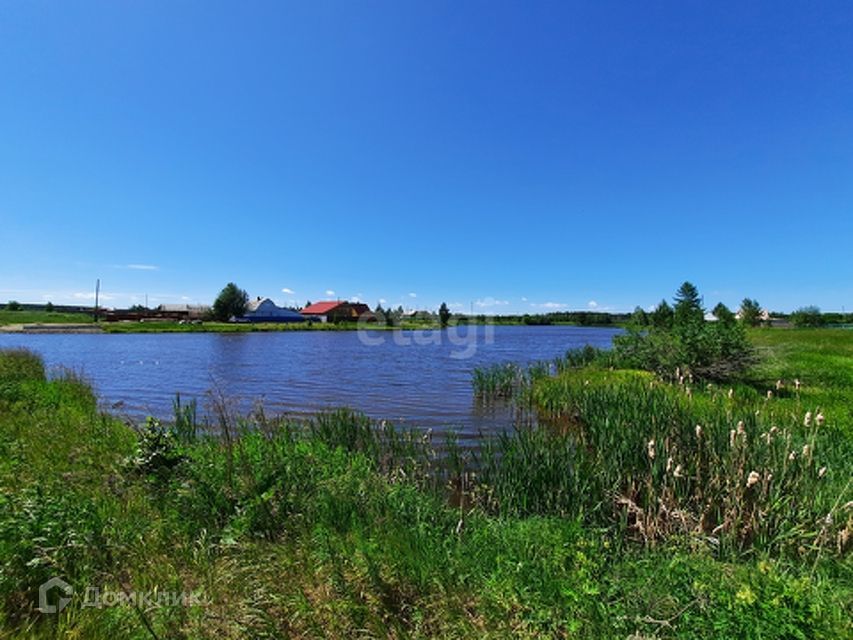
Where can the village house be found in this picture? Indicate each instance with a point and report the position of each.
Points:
(338, 311)
(265, 310)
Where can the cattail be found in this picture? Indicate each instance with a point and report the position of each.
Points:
(822, 472)
(698, 430)
(818, 420)
(779, 385)
(807, 421)
(752, 479)
(679, 472)
(650, 449)
(769, 394)
(732, 436)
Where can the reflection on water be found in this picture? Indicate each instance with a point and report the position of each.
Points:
(410, 379)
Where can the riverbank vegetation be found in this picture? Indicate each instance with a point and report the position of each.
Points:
(641, 506)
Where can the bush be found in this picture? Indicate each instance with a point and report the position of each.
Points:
(807, 317)
(680, 342)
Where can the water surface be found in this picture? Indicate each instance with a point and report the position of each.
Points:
(417, 379)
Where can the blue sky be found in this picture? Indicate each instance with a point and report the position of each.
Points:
(513, 156)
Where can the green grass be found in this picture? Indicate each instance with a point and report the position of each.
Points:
(339, 527)
(42, 317)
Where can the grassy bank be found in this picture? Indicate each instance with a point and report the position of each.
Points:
(42, 317)
(338, 527)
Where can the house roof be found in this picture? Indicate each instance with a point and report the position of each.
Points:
(252, 305)
(321, 308)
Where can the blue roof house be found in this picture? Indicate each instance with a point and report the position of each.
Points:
(265, 310)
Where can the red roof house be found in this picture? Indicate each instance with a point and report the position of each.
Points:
(339, 311)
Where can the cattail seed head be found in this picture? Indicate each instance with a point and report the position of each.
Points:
(819, 419)
(779, 385)
(698, 430)
(732, 436)
(752, 479)
(792, 456)
(650, 449)
(769, 394)
(822, 472)
(807, 420)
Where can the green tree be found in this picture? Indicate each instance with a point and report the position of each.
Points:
(750, 312)
(444, 314)
(662, 316)
(640, 318)
(688, 310)
(807, 317)
(13, 305)
(230, 303)
(49, 307)
(723, 313)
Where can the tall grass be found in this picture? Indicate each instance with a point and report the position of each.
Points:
(339, 526)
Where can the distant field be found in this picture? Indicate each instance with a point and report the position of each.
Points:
(43, 317)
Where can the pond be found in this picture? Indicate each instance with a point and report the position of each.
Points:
(412, 378)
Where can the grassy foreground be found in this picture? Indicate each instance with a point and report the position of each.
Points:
(338, 527)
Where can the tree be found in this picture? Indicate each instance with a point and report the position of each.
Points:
(723, 313)
(640, 318)
(230, 303)
(750, 312)
(662, 316)
(688, 309)
(444, 314)
(807, 317)
(13, 305)
(681, 339)
(49, 307)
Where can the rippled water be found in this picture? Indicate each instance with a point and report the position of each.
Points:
(411, 378)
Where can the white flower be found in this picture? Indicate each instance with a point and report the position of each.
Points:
(779, 385)
(752, 479)
(822, 472)
(650, 449)
(792, 456)
(769, 394)
(731, 393)
(679, 472)
(819, 419)
(732, 436)
(698, 430)
(807, 421)
(797, 384)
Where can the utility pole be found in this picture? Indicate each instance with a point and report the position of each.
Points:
(97, 293)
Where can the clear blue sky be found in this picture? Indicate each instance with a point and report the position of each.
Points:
(515, 155)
